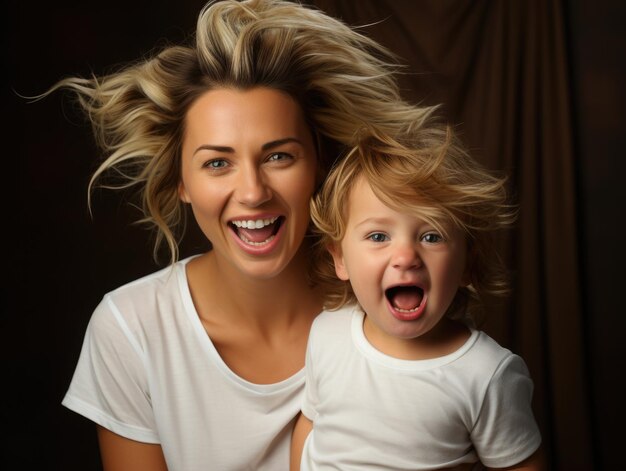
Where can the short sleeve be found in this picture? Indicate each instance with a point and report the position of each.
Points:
(310, 401)
(506, 432)
(110, 385)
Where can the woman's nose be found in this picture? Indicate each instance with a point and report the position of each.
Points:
(252, 189)
(406, 257)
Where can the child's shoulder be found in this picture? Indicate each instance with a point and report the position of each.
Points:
(484, 350)
(331, 333)
(487, 345)
(336, 320)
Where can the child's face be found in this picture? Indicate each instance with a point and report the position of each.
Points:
(402, 270)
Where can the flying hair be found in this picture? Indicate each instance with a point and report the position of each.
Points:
(342, 79)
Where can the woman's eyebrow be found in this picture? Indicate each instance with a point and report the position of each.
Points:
(280, 142)
(215, 148)
(264, 147)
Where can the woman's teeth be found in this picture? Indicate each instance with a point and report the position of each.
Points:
(251, 242)
(255, 224)
(256, 231)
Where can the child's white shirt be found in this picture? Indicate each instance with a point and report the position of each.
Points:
(372, 411)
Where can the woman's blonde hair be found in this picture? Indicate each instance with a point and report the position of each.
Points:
(431, 176)
(342, 79)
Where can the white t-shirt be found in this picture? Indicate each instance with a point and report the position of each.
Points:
(149, 372)
(372, 411)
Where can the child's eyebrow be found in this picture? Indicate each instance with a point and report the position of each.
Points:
(374, 220)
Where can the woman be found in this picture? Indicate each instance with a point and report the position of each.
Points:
(199, 366)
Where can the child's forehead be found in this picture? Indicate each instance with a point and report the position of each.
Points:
(360, 184)
(403, 201)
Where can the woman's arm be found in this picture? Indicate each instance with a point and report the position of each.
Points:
(123, 454)
(300, 431)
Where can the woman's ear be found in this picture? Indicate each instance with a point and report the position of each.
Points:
(466, 279)
(182, 193)
(340, 266)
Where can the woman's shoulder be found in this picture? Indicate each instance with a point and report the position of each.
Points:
(161, 281)
(147, 298)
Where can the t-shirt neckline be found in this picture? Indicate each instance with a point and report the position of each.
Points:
(372, 354)
(208, 346)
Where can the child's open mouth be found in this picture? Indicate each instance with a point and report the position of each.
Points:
(405, 299)
(257, 231)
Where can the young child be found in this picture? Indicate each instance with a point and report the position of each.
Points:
(397, 376)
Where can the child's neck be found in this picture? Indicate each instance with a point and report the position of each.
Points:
(445, 338)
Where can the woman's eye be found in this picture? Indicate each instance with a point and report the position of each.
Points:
(432, 238)
(215, 164)
(278, 157)
(378, 237)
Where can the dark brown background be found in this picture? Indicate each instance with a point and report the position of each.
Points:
(536, 89)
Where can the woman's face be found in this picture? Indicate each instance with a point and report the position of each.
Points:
(248, 171)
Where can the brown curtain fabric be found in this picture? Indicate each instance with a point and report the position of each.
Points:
(500, 70)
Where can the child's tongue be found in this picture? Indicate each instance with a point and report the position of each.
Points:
(406, 298)
(257, 235)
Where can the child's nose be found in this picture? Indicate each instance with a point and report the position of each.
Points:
(406, 257)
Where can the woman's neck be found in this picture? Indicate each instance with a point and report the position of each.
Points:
(259, 326)
(223, 294)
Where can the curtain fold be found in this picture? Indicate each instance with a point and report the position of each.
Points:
(500, 69)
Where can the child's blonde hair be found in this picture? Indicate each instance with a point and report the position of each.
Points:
(430, 175)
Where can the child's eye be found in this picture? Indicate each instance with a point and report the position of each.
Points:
(378, 237)
(432, 238)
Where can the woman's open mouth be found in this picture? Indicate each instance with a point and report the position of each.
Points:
(257, 232)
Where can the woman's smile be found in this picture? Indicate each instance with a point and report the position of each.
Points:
(257, 235)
